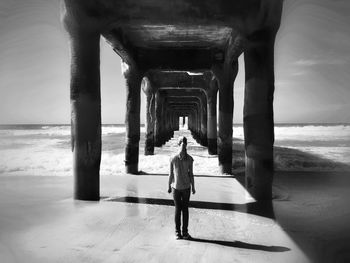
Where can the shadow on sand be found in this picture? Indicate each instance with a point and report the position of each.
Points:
(196, 175)
(262, 208)
(239, 244)
(323, 250)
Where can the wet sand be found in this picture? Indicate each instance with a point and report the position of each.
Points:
(306, 222)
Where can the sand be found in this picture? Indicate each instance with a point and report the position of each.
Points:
(306, 222)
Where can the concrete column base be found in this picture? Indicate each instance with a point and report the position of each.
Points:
(87, 184)
(258, 178)
(225, 168)
(204, 140)
(149, 151)
(86, 142)
(149, 147)
(132, 168)
(157, 141)
(212, 146)
(225, 155)
(132, 157)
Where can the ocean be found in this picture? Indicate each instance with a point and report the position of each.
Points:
(46, 149)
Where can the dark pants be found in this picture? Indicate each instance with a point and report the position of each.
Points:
(181, 200)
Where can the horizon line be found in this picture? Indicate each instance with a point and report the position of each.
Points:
(238, 123)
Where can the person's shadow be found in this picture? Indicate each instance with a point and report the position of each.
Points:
(239, 244)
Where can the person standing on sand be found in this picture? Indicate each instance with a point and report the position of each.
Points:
(181, 180)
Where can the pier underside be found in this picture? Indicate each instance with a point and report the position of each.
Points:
(183, 54)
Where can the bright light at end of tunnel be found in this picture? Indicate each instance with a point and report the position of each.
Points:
(194, 73)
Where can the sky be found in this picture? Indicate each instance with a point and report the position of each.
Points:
(312, 66)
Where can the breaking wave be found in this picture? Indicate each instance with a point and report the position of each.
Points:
(45, 150)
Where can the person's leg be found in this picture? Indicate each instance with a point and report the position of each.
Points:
(178, 207)
(185, 201)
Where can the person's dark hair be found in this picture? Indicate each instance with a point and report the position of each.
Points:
(182, 139)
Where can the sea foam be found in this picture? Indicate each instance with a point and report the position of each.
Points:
(46, 150)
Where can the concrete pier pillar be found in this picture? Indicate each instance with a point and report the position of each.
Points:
(158, 119)
(169, 126)
(166, 118)
(194, 124)
(163, 121)
(172, 123)
(212, 120)
(226, 76)
(203, 120)
(133, 79)
(148, 89)
(177, 122)
(258, 118)
(198, 123)
(191, 122)
(86, 114)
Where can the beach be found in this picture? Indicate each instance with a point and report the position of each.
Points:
(307, 221)
(45, 150)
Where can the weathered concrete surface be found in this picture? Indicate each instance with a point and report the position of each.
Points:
(133, 79)
(226, 75)
(149, 90)
(212, 119)
(180, 79)
(258, 117)
(181, 34)
(85, 114)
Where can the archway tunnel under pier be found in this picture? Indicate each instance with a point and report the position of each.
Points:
(183, 58)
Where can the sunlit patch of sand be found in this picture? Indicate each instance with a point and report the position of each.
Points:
(133, 222)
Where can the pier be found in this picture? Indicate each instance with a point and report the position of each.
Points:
(182, 54)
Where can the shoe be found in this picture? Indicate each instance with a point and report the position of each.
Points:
(178, 235)
(187, 236)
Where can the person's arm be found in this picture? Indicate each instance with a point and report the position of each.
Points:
(190, 171)
(171, 176)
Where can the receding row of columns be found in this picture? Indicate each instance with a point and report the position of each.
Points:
(163, 114)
